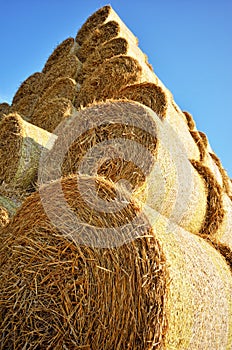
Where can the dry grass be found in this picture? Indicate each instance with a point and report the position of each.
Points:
(50, 113)
(73, 296)
(108, 79)
(61, 88)
(190, 121)
(114, 47)
(215, 211)
(151, 95)
(27, 95)
(200, 144)
(21, 146)
(60, 52)
(92, 22)
(4, 109)
(149, 293)
(67, 66)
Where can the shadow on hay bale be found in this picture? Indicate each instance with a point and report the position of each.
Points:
(164, 289)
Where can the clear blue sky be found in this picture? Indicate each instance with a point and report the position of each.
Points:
(188, 43)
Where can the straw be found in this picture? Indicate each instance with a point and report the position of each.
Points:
(26, 97)
(67, 66)
(51, 112)
(61, 88)
(4, 109)
(107, 79)
(127, 140)
(166, 289)
(151, 95)
(60, 52)
(21, 145)
(99, 18)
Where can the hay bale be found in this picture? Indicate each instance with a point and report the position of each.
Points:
(4, 109)
(50, 113)
(62, 88)
(21, 145)
(124, 140)
(34, 84)
(60, 52)
(114, 47)
(99, 18)
(66, 67)
(111, 76)
(151, 95)
(149, 293)
(27, 95)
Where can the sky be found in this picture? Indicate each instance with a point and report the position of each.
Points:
(188, 43)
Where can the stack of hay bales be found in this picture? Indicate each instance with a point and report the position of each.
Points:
(115, 213)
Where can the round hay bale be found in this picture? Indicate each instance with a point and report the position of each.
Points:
(98, 19)
(21, 146)
(62, 88)
(101, 35)
(151, 95)
(50, 113)
(107, 79)
(34, 84)
(4, 109)
(125, 140)
(165, 289)
(60, 52)
(25, 106)
(25, 98)
(65, 67)
(114, 47)
(111, 48)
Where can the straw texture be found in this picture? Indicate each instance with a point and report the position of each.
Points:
(167, 289)
(4, 109)
(51, 112)
(26, 96)
(111, 76)
(100, 18)
(67, 66)
(111, 48)
(151, 95)
(60, 52)
(62, 88)
(75, 296)
(21, 145)
(127, 140)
